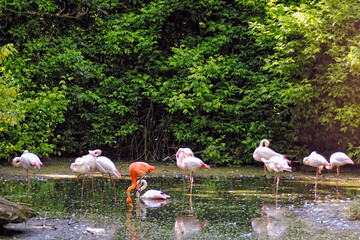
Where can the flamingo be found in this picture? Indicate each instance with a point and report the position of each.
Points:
(338, 159)
(137, 169)
(90, 161)
(263, 151)
(106, 166)
(81, 168)
(277, 164)
(27, 160)
(150, 194)
(318, 161)
(191, 164)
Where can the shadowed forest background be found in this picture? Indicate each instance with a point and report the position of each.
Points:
(138, 79)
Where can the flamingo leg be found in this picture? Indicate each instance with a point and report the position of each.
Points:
(316, 179)
(92, 181)
(27, 171)
(277, 183)
(82, 187)
(103, 182)
(264, 170)
(191, 181)
(113, 185)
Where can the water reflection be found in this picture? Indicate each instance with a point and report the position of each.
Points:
(272, 224)
(222, 208)
(187, 225)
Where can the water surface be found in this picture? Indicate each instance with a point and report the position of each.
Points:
(219, 208)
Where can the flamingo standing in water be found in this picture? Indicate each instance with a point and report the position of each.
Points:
(318, 161)
(106, 166)
(80, 168)
(27, 160)
(191, 164)
(277, 164)
(263, 151)
(338, 159)
(90, 161)
(150, 194)
(137, 169)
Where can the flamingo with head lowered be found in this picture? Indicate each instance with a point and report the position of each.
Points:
(150, 194)
(106, 166)
(137, 169)
(318, 161)
(277, 164)
(338, 159)
(27, 160)
(264, 152)
(191, 164)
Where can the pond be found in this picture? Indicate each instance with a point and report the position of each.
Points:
(220, 207)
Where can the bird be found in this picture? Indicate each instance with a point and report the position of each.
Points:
(318, 161)
(27, 160)
(191, 164)
(137, 169)
(150, 194)
(338, 159)
(263, 151)
(90, 161)
(106, 166)
(80, 168)
(187, 152)
(277, 164)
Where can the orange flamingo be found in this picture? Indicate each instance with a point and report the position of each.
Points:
(137, 169)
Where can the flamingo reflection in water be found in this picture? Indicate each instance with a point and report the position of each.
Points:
(272, 224)
(187, 226)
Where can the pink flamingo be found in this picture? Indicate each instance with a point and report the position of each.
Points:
(80, 168)
(191, 164)
(90, 161)
(277, 164)
(150, 194)
(263, 151)
(318, 161)
(106, 166)
(338, 159)
(187, 152)
(27, 160)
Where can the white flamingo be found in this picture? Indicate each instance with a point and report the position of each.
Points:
(191, 164)
(263, 151)
(277, 164)
(338, 159)
(318, 161)
(150, 194)
(27, 160)
(106, 166)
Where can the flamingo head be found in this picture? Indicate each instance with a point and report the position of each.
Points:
(16, 162)
(95, 153)
(306, 160)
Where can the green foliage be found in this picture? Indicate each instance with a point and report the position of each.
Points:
(139, 79)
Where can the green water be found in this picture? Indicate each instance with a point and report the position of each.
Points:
(219, 208)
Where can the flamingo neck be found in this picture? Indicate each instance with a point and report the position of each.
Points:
(141, 185)
(133, 185)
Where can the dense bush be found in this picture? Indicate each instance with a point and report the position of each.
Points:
(140, 78)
